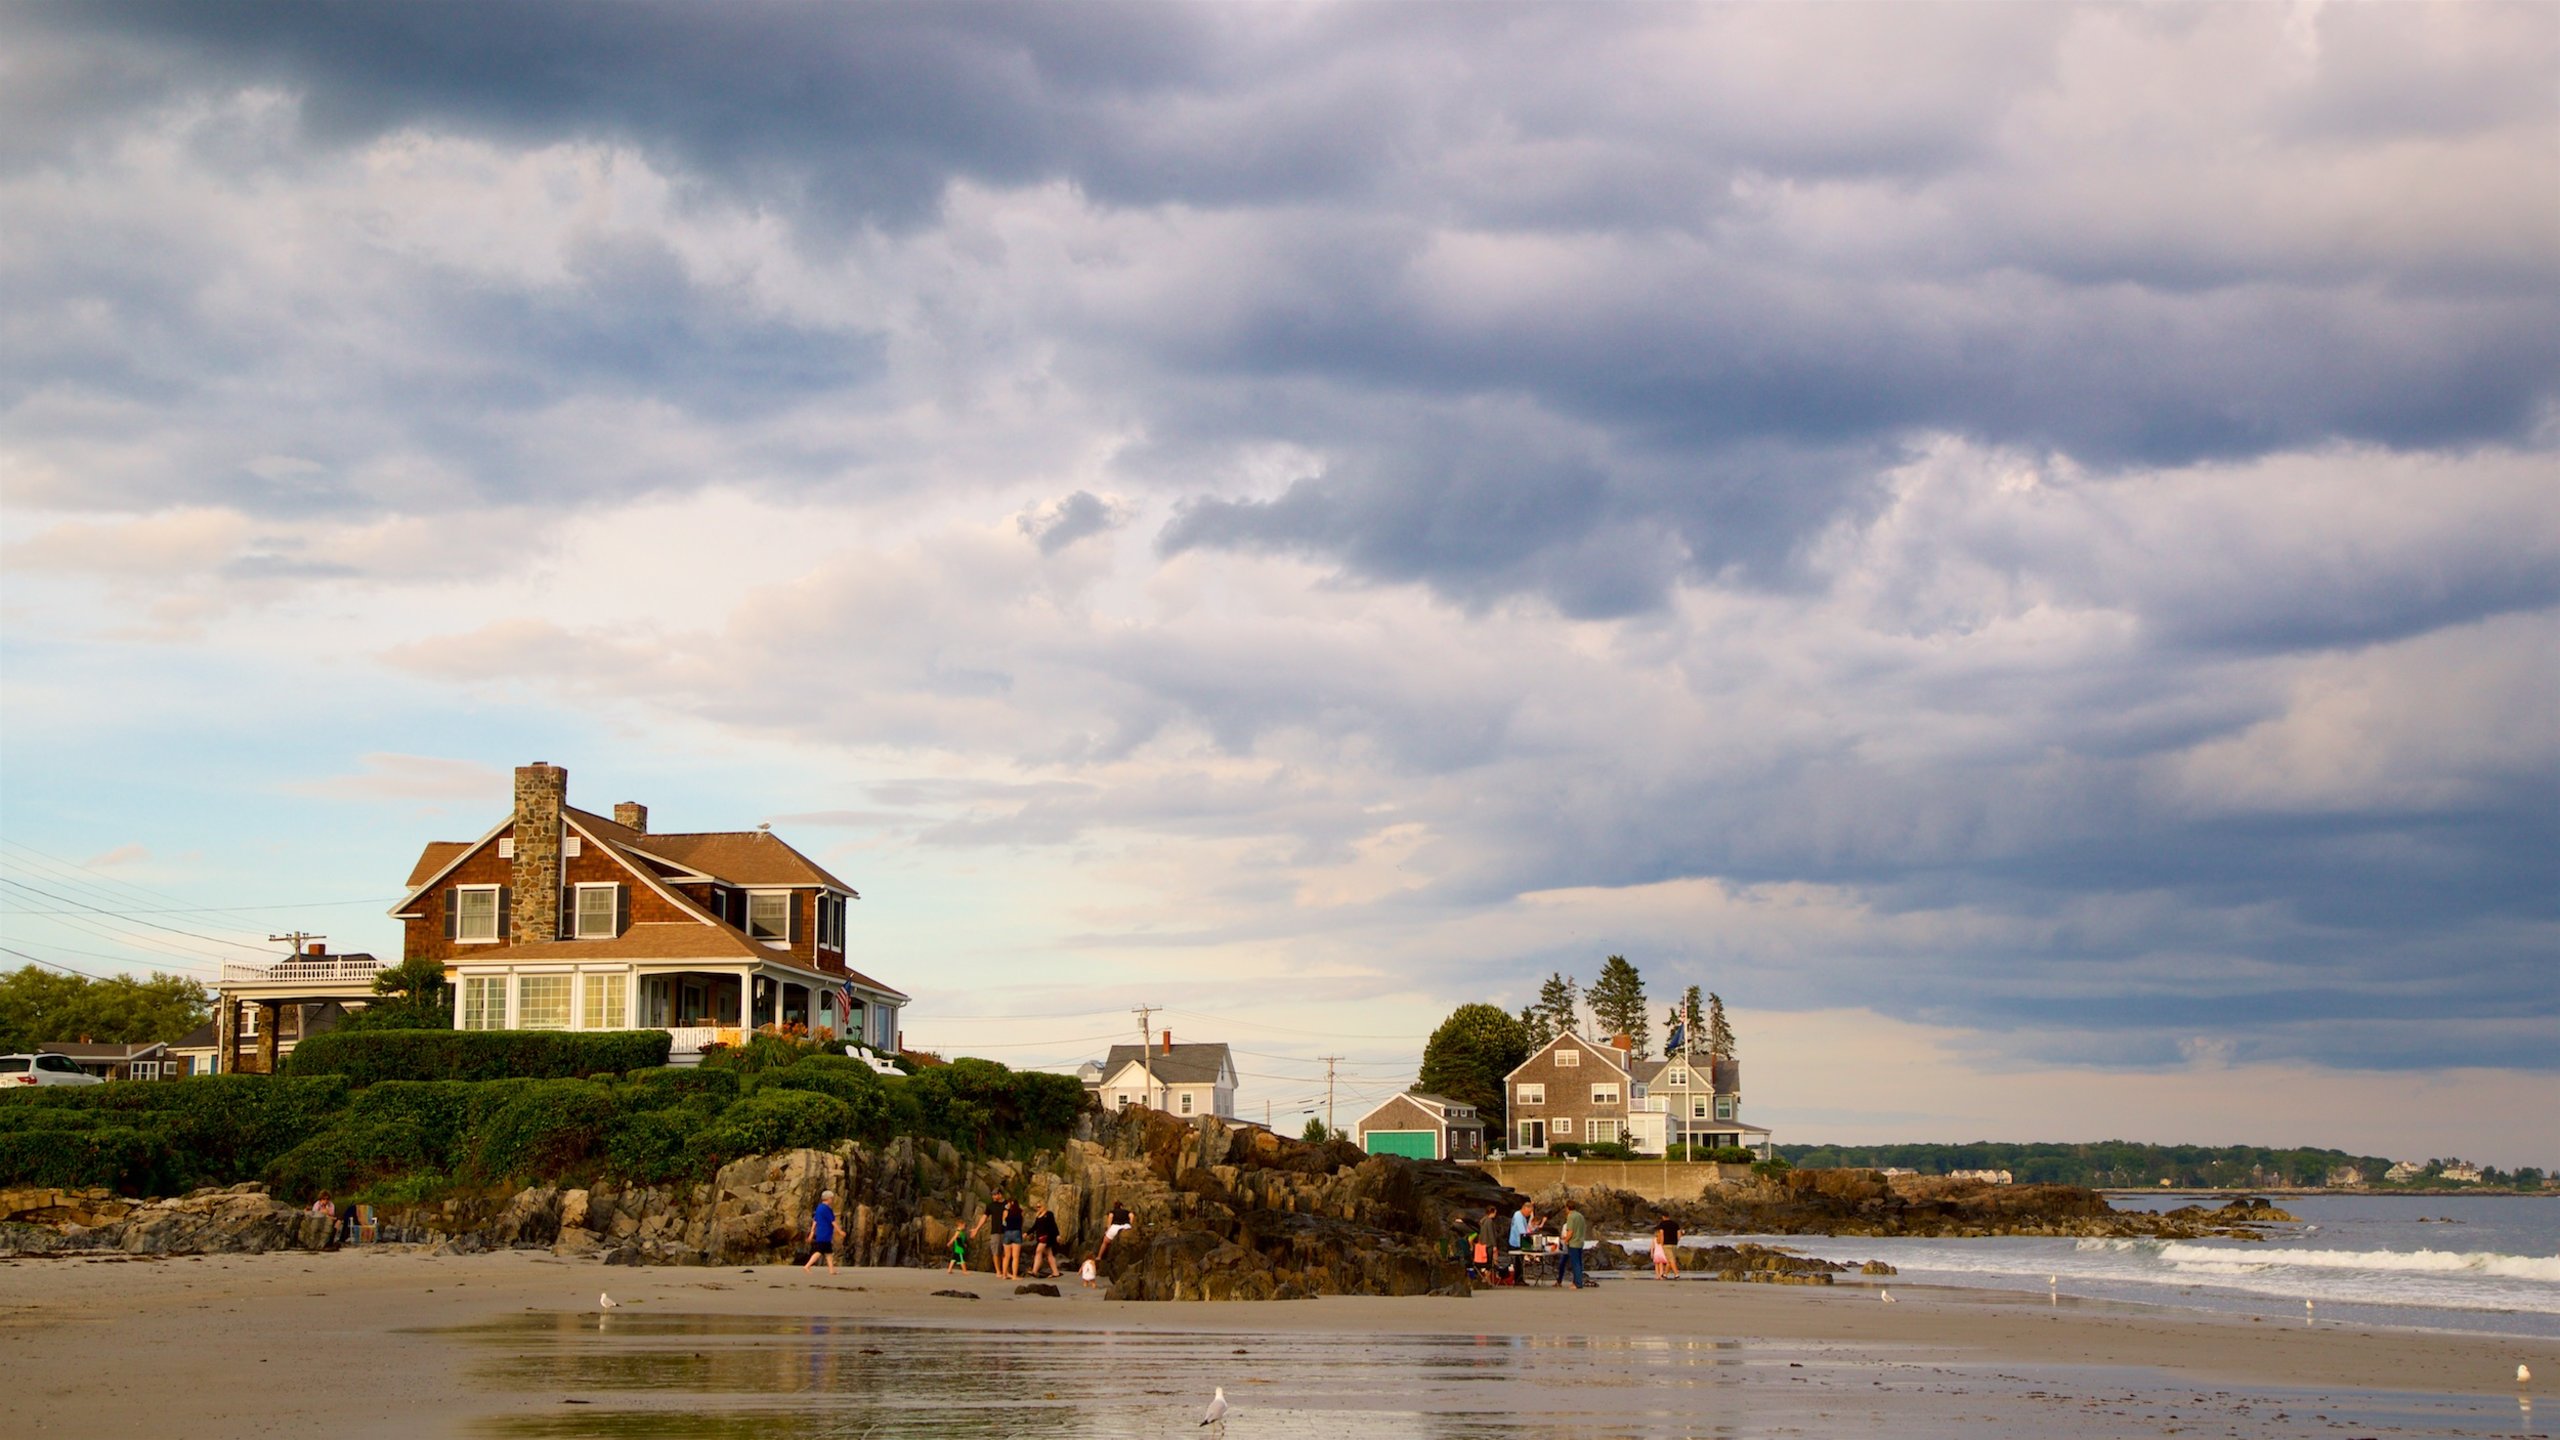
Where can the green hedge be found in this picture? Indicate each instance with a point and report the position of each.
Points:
(368, 1056)
(418, 1138)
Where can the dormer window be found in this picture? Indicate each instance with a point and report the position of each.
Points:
(769, 915)
(1568, 1059)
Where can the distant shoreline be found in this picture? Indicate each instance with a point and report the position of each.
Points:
(2546, 1193)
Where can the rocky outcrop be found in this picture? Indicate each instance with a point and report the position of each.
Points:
(1223, 1211)
(241, 1220)
(1863, 1202)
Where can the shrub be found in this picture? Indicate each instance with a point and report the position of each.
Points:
(669, 1085)
(367, 1056)
(764, 1050)
(445, 1114)
(773, 1120)
(1770, 1169)
(350, 1154)
(206, 1130)
(117, 1158)
(972, 1103)
(1607, 1150)
(652, 1147)
(864, 1093)
(549, 1128)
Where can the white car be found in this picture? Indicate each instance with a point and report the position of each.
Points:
(43, 1070)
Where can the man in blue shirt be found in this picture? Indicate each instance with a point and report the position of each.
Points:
(822, 1232)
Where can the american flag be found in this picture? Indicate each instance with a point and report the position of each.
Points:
(846, 1005)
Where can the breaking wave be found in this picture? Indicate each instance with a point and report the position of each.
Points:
(2216, 1260)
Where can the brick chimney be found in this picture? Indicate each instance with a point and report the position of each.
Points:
(1168, 1042)
(632, 815)
(1621, 1041)
(317, 948)
(542, 790)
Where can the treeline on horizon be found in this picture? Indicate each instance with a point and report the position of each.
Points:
(2128, 1164)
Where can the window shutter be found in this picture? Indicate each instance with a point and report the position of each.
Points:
(453, 913)
(506, 898)
(568, 914)
(791, 920)
(621, 908)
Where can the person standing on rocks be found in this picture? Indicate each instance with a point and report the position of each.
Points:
(1577, 1234)
(1119, 1225)
(822, 1232)
(1044, 1242)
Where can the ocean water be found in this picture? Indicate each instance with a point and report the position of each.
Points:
(2486, 1264)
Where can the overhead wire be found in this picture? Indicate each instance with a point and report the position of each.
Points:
(113, 915)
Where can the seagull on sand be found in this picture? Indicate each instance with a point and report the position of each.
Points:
(1217, 1412)
(2524, 1374)
(1885, 1295)
(607, 1302)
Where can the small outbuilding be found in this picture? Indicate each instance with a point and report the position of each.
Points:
(1422, 1126)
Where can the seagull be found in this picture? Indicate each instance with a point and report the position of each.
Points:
(1217, 1412)
(607, 1302)
(2306, 1309)
(1885, 1295)
(2524, 1374)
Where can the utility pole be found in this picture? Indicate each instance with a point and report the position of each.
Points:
(297, 938)
(1328, 1093)
(1147, 1051)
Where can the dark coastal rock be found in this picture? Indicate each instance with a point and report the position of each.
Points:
(1037, 1287)
(1863, 1202)
(241, 1220)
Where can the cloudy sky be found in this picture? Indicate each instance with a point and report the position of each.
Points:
(2019, 545)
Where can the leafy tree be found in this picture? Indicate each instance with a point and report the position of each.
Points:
(1618, 1004)
(1560, 1004)
(1468, 1056)
(1719, 1034)
(37, 1006)
(414, 996)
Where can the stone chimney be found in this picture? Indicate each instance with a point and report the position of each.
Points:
(632, 815)
(542, 790)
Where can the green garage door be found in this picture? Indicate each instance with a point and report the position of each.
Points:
(1412, 1144)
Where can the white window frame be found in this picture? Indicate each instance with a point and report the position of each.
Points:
(1186, 1102)
(1561, 1125)
(462, 915)
(1636, 1091)
(612, 988)
(1676, 1078)
(612, 893)
(1601, 1132)
(1724, 1107)
(1529, 1092)
(248, 1022)
(525, 1015)
(491, 1011)
(1698, 1108)
(1568, 1059)
(784, 938)
(1604, 1094)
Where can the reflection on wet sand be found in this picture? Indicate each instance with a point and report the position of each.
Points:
(709, 1377)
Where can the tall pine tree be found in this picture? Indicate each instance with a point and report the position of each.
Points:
(1693, 1016)
(1560, 1005)
(1719, 1034)
(1618, 1005)
(1534, 1024)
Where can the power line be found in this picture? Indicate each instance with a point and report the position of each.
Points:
(220, 909)
(50, 965)
(113, 915)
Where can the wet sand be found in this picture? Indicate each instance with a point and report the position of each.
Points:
(396, 1343)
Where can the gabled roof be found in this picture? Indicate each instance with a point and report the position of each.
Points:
(1187, 1064)
(203, 1037)
(746, 859)
(117, 1053)
(1609, 1054)
(1435, 1104)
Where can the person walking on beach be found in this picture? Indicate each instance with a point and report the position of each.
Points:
(1577, 1234)
(990, 1224)
(1666, 1248)
(1010, 1267)
(959, 1251)
(1044, 1242)
(822, 1232)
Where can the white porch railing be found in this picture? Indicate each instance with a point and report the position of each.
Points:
(305, 970)
(689, 1039)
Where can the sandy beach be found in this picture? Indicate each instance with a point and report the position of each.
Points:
(398, 1343)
